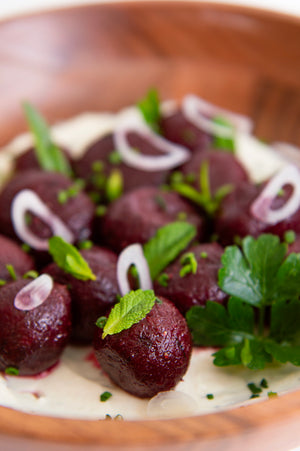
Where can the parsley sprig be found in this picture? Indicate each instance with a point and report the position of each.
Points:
(263, 284)
(203, 197)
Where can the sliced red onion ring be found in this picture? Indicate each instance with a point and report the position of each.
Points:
(27, 200)
(288, 152)
(133, 255)
(261, 207)
(175, 155)
(200, 113)
(34, 294)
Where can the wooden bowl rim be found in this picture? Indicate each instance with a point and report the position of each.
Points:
(234, 421)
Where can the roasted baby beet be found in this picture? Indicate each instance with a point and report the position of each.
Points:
(234, 220)
(92, 298)
(12, 254)
(76, 212)
(179, 130)
(223, 168)
(136, 216)
(27, 160)
(188, 289)
(101, 158)
(32, 341)
(150, 357)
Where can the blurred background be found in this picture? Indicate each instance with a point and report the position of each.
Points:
(14, 7)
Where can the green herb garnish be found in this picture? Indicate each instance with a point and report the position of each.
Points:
(163, 279)
(12, 371)
(49, 156)
(11, 271)
(272, 394)
(259, 279)
(149, 107)
(210, 396)
(131, 309)
(189, 264)
(32, 274)
(105, 396)
(25, 247)
(71, 192)
(219, 142)
(87, 244)
(203, 197)
(2, 282)
(255, 390)
(114, 185)
(115, 157)
(167, 244)
(101, 210)
(289, 236)
(69, 259)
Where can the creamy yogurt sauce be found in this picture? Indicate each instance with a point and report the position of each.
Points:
(72, 389)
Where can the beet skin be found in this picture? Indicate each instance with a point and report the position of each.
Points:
(150, 357)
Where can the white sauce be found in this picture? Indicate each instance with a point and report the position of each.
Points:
(73, 388)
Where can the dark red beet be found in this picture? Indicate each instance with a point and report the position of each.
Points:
(28, 160)
(235, 219)
(132, 178)
(77, 213)
(93, 298)
(32, 341)
(12, 254)
(178, 129)
(224, 168)
(136, 216)
(150, 357)
(195, 289)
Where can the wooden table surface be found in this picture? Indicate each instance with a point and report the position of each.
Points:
(105, 57)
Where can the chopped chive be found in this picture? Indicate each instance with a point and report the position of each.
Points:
(264, 383)
(97, 166)
(272, 394)
(11, 371)
(254, 388)
(32, 274)
(115, 157)
(11, 271)
(87, 244)
(289, 236)
(101, 322)
(210, 396)
(25, 247)
(189, 263)
(100, 210)
(105, 396)
(203, 254)
(114, 185)
(163, 279)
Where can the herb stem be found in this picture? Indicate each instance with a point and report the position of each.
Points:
(261, 324)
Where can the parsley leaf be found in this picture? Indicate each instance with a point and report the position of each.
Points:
(149, 107)
(249, 274)
(49, 156)
(167, 244)
(131, 309)
(69, 259)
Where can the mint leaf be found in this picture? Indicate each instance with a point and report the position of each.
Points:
(49, 156)
(149, 107)
(250, 275)
(219, 142)
(214, 325)
(68, 258)
(167, 244)
(131, 309)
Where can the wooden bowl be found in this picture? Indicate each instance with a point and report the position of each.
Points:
(105, 57)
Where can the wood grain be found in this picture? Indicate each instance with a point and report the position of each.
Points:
(105, 57)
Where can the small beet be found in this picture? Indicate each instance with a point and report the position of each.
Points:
(92, 298)
(76, 213)
(178, 129)
(194, 289)
(12, 254)
(150, 357)
(223, 168)
(32, 341)
(236, 220)
(98, 163)
(136, 216)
